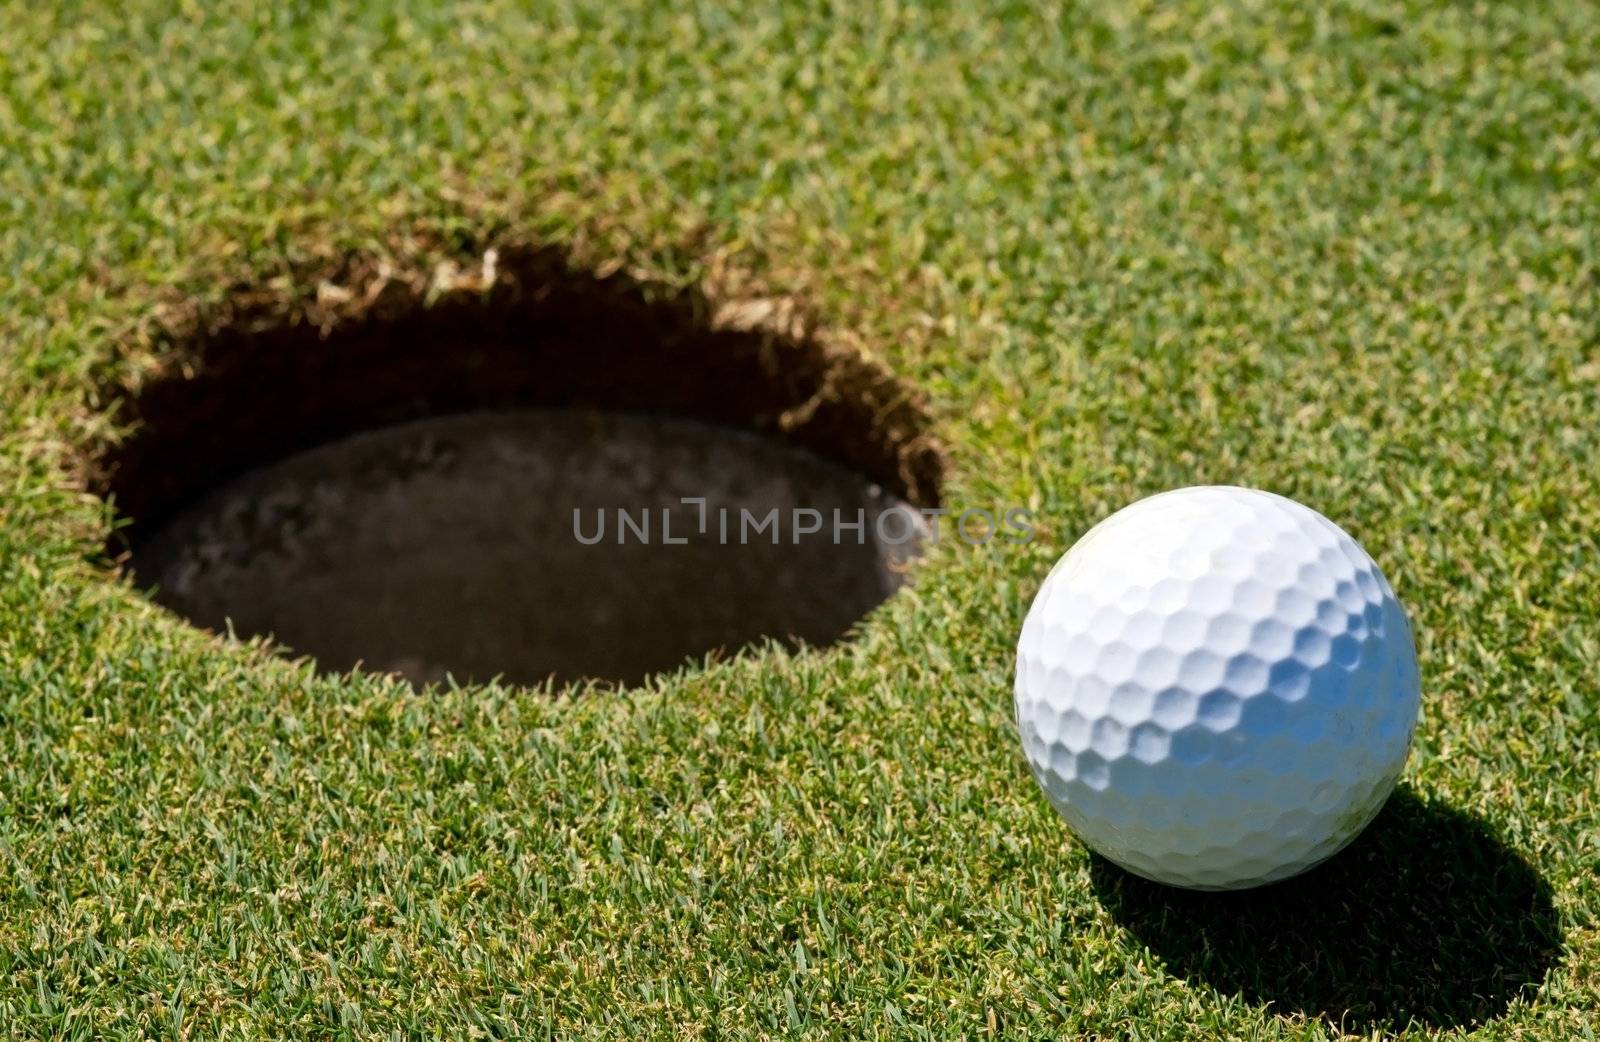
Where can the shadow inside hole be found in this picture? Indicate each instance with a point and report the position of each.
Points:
(1427, 917)
(534, 544)
(262, 379)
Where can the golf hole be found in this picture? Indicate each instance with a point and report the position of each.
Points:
(534, 473)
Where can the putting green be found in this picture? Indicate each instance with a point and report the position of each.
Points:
(1345, 252)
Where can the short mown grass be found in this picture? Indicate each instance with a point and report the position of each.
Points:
(1349, 252)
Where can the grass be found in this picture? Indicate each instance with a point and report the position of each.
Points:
(1347, 252)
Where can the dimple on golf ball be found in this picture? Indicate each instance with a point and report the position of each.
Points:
(1216, 688)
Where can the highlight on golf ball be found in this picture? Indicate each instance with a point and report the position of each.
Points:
(1216, 687)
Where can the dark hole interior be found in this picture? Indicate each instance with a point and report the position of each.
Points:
(450, 546)
(493, 483)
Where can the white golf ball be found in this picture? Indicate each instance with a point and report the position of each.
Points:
(1216, 687)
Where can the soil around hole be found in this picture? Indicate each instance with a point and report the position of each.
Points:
(534, 544)
(270, 374)
(374, 471)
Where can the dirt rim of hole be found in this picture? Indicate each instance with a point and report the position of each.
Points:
(290, 363)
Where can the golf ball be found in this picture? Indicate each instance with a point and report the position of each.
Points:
(1216, 688)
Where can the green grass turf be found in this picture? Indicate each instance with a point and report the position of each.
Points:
(1344, 251)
